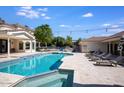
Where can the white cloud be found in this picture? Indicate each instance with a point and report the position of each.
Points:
(115, 26)
(29, 12)
(43, 14)
(107, 34)
(87, 15)
(65, 26)
(21, 13)
(116, 30)
(26, 7)
(111, 26)
(43, 9)
(77, 26)
(47, 17)
(105, 25)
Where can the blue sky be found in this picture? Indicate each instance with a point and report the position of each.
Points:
(65, 19)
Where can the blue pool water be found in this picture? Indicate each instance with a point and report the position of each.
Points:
(32, 65)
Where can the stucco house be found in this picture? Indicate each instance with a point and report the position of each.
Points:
(105, 44)
(113, 42)
(94, 44)
(16, 38)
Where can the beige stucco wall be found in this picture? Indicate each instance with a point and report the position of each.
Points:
(16, 46)
(94, 46)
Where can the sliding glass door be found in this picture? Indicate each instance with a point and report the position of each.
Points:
(3, 46)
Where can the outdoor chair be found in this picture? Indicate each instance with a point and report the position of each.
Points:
(90, 53)
(94, 54)
(98, 57)
(106, 57)
(112, 62)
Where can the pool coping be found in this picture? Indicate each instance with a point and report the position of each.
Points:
(27, 77)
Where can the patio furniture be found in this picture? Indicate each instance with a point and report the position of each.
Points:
(112, 62)
(98, 57)
(108, 57)
(94, 54)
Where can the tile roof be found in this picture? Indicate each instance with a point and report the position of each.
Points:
(17, 27)
(102, 38)
(119, 35)
(95, 39)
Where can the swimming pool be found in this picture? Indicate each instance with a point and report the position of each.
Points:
(32, 65)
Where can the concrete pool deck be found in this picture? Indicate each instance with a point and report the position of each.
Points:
(87, 74)
(8, 79)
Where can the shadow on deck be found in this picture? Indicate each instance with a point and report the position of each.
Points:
(95, 85)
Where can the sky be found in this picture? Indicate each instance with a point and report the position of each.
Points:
(76, 21)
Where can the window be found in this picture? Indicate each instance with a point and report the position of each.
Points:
(20, 45)
(27, 45)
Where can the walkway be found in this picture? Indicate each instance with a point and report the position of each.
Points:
(87, 74)
(8, 79)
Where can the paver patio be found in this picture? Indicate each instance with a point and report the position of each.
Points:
(87, 74)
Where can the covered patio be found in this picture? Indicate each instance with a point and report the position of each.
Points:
(113, 43)
(16, 42)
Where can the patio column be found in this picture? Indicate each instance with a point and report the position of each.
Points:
(31, 45)
(109, 47)
(35, 45)
(24, 45)
(113, 46)
(8, 41)
(38, 44)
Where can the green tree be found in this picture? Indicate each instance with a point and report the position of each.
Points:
(69, 41)
(78, 41)
(44, 34)
(59, 41)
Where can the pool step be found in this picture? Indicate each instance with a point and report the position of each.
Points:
(54, 83)
(59, 84)
(48, 80)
